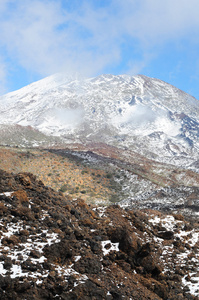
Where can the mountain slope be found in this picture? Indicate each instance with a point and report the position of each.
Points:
(54, 248)
(140, 113)
(106, 175)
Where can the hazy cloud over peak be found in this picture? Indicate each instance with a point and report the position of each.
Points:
(43, 37)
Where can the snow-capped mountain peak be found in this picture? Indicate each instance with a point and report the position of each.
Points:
(138, 112)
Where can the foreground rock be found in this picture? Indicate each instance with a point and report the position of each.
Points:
(56, 248)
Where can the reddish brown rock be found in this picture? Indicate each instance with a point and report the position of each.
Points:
(64, 253)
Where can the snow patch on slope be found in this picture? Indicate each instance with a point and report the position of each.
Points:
(123, 111)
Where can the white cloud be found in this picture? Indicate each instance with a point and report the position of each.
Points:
(29, 34)
(3, 74)
(45, 37)
(138, 115)
(155, 21)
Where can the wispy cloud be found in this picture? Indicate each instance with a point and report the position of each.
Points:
(83, 36)
(3, 75)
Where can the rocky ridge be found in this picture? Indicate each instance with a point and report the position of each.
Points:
(55, 248)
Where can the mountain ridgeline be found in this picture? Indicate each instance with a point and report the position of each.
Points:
(138, 113)
(99, 190)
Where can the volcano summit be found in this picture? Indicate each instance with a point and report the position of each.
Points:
(140, 113)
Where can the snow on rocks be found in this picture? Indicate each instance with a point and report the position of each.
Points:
(7, 194)
(19, 252)
(192, 282)
(108, 246)
(181, 253)
(52, 247)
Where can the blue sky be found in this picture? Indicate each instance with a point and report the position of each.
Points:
(156, 38)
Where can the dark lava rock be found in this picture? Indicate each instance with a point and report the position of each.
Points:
(166, 235)
(57, 252)
(88, 265)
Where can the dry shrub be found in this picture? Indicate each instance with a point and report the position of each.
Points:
(81, 203)
(22, 211)
(3, 209)
(13, 239)
(86, 222)
(24, 232)
(178, 217)
(67, 207)
(93, 214)
(21, 196)
(24, 179)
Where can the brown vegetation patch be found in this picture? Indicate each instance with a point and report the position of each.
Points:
(21, 196)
